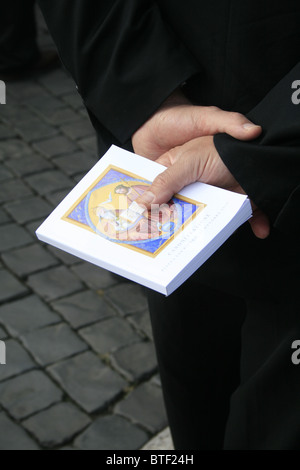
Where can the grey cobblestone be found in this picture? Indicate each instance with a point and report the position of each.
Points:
(162, 441)
(25, 261)
(58, 145)
(78, 130)
(83, 308)
(14, 437)
(17, 361)
(64, 257)
(136, 361)
(10, 287)
(75, 163)
(32, 227)
(77, 337)
(13, 189)
(128, 298)
(74, 100)
(25, 90)
(141, 322)
(53, 343)
(89, 144)
(61, 116)
(57, 425)
(156, 380)
(90, 383)
(6, 132)
(26, 314)
(34, 129)
(14, 148)
(28, 164)
(27, 210)
(57, 197)
(57, 83)
(3, 335)
(78, 177)
(11, 115)
(28, 394)
(13, 236)
(144, 406)
(111, 433)
(48, 103)
(4, 218)
(93, 276)
(5, 174)
(83, 112)
(49, 181)
(54, 283)
(109, 335)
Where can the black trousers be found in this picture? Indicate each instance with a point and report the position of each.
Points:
(223, 342)
(18, 46)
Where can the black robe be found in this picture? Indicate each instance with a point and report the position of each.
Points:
(126, 57)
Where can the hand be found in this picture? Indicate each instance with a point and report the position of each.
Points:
(177, 121)
(197, 160)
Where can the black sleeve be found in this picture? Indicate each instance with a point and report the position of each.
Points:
(268, 169)
(123, 57)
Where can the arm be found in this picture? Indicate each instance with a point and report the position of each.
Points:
(126, 62)
(123, 57)
(268, 168)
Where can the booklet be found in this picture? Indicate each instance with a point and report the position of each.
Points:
(101, 222)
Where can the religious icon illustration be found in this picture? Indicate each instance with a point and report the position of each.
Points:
(109, 209)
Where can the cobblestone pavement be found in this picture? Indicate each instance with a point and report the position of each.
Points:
(81, 369)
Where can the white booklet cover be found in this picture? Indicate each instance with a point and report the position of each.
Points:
(100, 222)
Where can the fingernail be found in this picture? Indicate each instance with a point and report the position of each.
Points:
(147, 197)
(249, 126)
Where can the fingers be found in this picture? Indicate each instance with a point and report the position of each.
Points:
(168, 158)
(167, 183)
(211, 120)
(185, 165)
(260, 224)
(197, 160)
(176, 124)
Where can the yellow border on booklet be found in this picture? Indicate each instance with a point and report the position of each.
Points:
(65, 217)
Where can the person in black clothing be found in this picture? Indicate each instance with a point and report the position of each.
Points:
(174, 82)
(19, 52)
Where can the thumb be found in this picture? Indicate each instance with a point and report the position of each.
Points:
(211, 120)
(260, 224)
(168, 183)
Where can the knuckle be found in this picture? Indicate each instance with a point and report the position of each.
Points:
(196, 119)
(171, 156)
(208, 119)
(161, 180)
(214, 109)
(237, 117)
(200, 120)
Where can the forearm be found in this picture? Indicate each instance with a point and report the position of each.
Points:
(269, 168)
(123, 58)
